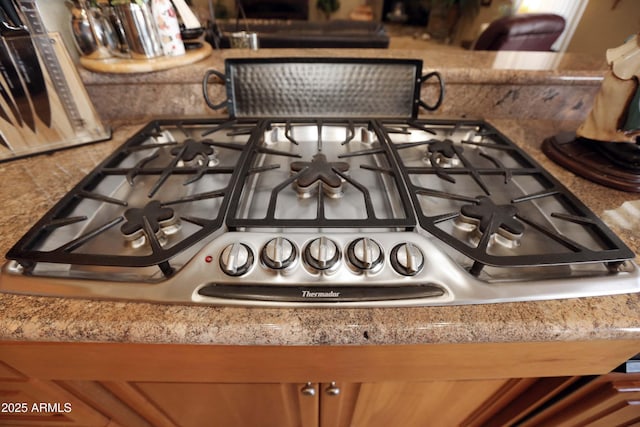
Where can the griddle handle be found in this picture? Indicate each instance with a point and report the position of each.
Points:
(423, 79)
(205, 93)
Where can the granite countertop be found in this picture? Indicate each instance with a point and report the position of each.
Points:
(42, 180)
(539, 85)
(476, 67)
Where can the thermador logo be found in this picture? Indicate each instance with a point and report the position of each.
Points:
(330, 294)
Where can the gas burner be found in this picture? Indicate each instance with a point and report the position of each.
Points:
(441, 153)
(319, 172)
(161, 221)
(194, 153)
(499, 221)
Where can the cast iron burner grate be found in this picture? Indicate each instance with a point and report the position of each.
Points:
(484, 197)
(166, 187)
(319, 160)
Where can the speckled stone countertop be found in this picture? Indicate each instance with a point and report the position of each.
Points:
(470, 67)
(537, 85)
(524, 95)
(38, 182)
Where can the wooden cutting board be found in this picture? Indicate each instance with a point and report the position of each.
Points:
(127, 66)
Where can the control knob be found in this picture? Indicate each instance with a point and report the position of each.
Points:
(322, 254)
(365, 254)
(279, 253)
(407, 259)
(236, 259)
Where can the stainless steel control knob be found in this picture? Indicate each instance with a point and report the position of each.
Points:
(407, 259)
(322, 254)
(365, 254)
(236, 259)
(279, 253)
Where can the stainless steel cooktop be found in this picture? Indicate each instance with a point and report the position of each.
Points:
(320, 212)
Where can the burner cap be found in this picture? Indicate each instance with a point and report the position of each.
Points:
(192, 151)
(486, 216)
(162, 221)
(319, 172)
(442, 153)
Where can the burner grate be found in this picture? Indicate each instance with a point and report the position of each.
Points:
(483, 196)
(167, 188)
(325, 168)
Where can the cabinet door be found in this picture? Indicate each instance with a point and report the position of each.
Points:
(434, 403)
(31, 402)
(264, 405)
(607, 401)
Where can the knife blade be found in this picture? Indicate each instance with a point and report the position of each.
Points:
(19, 44)
(10, 104)
(4, 115)
(10, 74)
(4, 142)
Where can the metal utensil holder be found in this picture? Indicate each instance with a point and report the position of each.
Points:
(140, 30)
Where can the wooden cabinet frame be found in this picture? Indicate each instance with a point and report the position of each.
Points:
(133, 384)
(293, 364)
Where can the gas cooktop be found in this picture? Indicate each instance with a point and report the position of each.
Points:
(320, 212)
(322, 188)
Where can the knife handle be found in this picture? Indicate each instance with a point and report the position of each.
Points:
(11, 12)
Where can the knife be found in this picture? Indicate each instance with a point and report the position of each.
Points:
(18, 42)
(10, 104)
(4, 115)
(10, 73)
(4, 142)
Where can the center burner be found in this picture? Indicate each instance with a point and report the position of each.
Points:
(328, 173)
(319, 173)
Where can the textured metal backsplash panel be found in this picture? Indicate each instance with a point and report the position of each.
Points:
(323, 87)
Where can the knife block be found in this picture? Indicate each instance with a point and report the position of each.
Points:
(63, 132)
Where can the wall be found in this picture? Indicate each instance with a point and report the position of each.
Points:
(602, 28)
(57, 18)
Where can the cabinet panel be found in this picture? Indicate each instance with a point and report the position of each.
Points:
(336, 410)
(101, 398)
(265, 405)
(39, 403)
(608, 401)
(435, 403)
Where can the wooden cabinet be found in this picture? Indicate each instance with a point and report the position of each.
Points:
(31, 402)
(469, 403)
(334, 404)
(264, 405)
(137, 385)
(408, 404)
(606, 401)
